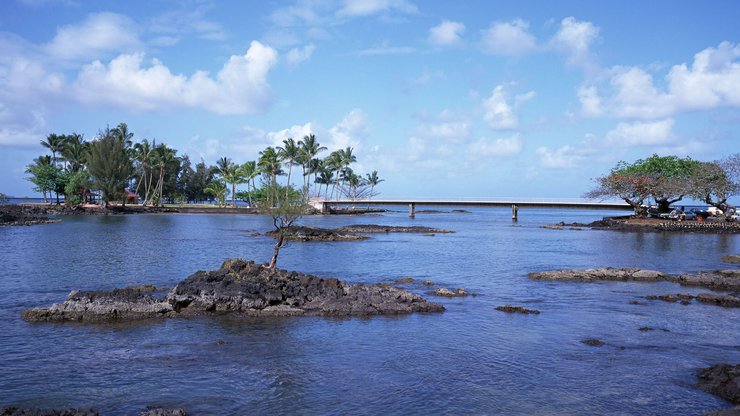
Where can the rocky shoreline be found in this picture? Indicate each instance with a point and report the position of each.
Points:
(241, 287)
(17, 215)
(75, 411)
(629, 223)
(351, 232)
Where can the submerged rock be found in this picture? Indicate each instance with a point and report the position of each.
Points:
(719, 279)
(404, 281)
(593, 342)
(239, 286)
(722, 380)
(517, 309)
(733, 258)
(447, 293)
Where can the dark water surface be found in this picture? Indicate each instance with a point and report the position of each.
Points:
(470, 359)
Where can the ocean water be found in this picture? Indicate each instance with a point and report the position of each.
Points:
(470, 359)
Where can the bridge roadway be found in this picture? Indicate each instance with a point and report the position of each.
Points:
(515, 204)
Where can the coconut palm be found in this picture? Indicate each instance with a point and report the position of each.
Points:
(325, 177)
(163, 157)
(222, 165)
(372, 180)
(290, 152)
(75, 152)
(122, 134)
(143, 155)
(334, 162)
(311, 148)
(269, 164)
(55, 143)
(250, 172)
(233, 175)
(219, 190)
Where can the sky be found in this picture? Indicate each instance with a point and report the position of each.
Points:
(467, 99)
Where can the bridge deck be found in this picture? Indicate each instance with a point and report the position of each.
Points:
(484, 203)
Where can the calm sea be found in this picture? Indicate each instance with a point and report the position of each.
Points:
(470, 359)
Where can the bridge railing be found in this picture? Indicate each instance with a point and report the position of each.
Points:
(402, 200)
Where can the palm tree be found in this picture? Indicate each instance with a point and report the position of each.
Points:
(163, 156)
(269, 164)
(250, 172)
(325, 177)
(219, 190)
(142, 153)
(55, 143)
(290, 152)
(222, 165)
(233, 175)
(122, 134)
(372, 180)
(311, 148)
(334, 162)
(75, 152)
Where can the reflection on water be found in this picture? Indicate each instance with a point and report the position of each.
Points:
(470, 359)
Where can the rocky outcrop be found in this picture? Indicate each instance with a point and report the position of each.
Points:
(725, 300)
(126, 304)
(717, 280)
(732, 258)
(239, 286)
(19, 215)
(350, 232)
(517, 309)
(722, 380)
(447, 293)
(628, 223)
(302, 233)
(372, 228)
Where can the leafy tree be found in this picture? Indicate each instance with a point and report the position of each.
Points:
(74, 191)
(285, 206)
(716, 182)
(110, 167)
(666, 179)
(45, 176)
(202, 176)
(3, 198)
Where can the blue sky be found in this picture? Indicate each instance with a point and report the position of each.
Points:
(444, 99)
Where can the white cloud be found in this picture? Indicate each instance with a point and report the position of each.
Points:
(240, 87)
(560, 158)
(451, 131)
(509, 38)
(351, 131)
(498, 113)
(358, 8)
(425, 78)
(447, 33)
(574, 39)
(712, 81)
(298, 55)
(185, 20)
(499, 148)
(99, 33)
(641, 134)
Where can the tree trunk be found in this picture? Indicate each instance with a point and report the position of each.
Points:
(233, 195)
(276, 251)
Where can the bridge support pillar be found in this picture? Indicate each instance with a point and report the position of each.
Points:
(412, 208)
(514, 212)
(324, 208)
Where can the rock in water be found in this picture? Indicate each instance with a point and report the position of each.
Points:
(33, 411)
(517, 309)
(715, 280)
(722, 380)
(242, 287)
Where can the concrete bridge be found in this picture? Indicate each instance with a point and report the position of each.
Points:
(515, 203)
